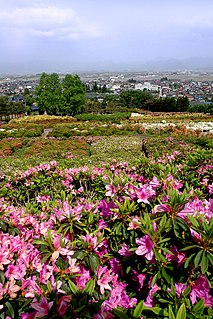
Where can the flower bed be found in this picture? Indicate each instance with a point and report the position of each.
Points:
(108, 242)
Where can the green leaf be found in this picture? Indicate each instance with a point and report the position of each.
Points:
(210, 258)
(72, 286)
(193, 221)
(188, 260)
(199, 306)
(165, 275)
(63, 196)
(10, 309)
(138, 310)
(210, 312)
(204, 263)
(90, 286)
(187, 291)
(198, 258)
(181, 314)
(2, 277)
(156, 310)
(40, 242)
(190, 247)
(120, 313)
(154, 279)
(49, 286)
(171, 314)
(93, 262)
(79, 255)
(46, 257)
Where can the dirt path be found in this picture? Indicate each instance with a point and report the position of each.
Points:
(46, 132)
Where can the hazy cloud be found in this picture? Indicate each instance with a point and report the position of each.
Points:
(70, 34)
(48, 21)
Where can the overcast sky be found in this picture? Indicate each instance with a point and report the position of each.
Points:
(83, 35)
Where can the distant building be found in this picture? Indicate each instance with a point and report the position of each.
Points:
(147, 86)
(17, 98)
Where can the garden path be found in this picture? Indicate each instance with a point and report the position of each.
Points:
(46, 132)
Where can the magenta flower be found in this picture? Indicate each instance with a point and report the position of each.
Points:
(111, 190)
(150, 298)
(28, 315)
(179, 288)
(104, 278)
(63, 305)
(146, 247)
(201, 290)
(140, 278)
(42, 307)
(144, 194)
(11, 288)
(177, 256)
(124, 251)
(82, 280)
(42, 198)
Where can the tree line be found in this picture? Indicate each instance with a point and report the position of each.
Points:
(9, 110)
(67, 96)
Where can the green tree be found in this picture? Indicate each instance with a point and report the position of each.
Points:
(64, 98)
(73, 95)
(182, 104)
(134, 98)
(48, 93)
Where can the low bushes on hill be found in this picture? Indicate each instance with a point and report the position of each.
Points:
(112, 241)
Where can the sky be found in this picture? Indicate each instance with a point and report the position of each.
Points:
(104, 35)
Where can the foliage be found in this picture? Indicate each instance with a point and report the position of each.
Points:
(10, 109)
(113, 118)
(134, 98)
(112, 241)
(48, 120)
(202, 108)
(58, 98)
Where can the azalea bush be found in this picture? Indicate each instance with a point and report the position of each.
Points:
(112, 241)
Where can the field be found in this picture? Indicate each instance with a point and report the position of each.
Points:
(108, 217)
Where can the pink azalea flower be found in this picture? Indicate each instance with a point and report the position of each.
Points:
(124, 251)
(115, 265)
(84, 277)
(201, 290)
(102, 224)
(42, 307)
(146, 247)
(134, 224)
(155, 183)
(4, 258)
(140, 278)
(28, 315)
(12, 289)
(42, 198)
(118, 296)
(104, 278)
(111, 190)
(177, 256)
(179, 288)
(150, 298)
(144, 194)
(210, 188)
(16, 272)
(90, 240)
(63, 305)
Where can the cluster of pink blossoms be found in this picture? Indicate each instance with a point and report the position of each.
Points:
(60, 244)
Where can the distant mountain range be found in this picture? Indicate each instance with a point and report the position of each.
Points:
(199, 64)
(193, 63)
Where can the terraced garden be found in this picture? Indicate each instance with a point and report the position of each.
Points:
(106, 218)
